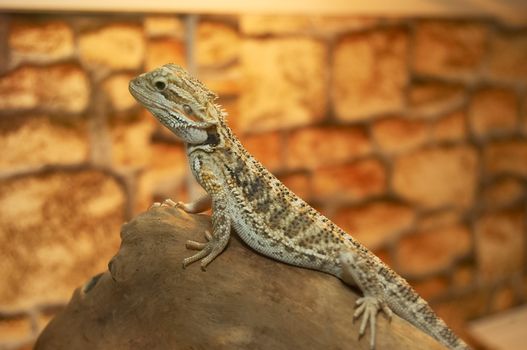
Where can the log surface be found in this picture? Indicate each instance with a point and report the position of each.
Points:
(243, 301)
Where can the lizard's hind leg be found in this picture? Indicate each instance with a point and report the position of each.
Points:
(359, 269)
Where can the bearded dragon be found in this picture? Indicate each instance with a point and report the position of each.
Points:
(265, 214)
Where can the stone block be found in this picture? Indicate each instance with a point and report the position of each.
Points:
(457, 311)
(161, 51)
(40, 42)
(299, 183)
(385, 255)
(164, 175)
(315, 147)
(503, 192)
(37, 141)
(217, 44)
(437, 219)
(55, 233)
(375, 224)
(463, 276)
(508, 54)
(62, 87)
(321, 25)
(284, 83)
(353, 181)
(116, 87)
(500, 244)
(164, 25)
(431, 98)
(427, 252)
(494, 111)
(115, 46)
(450, 128)
(225, 81)
(131, 142)
(432, 287)
(369, 73)
(395, 134)
(506, 157)
(449, 48)
(14, 329)
(502, 299)
(435, 177)
(266, 148)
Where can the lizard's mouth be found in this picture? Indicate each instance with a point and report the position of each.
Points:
(163, 109)
(167, 113)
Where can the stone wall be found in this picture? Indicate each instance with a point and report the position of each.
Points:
(409, 133)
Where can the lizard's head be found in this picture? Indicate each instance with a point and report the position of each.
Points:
(179, 101)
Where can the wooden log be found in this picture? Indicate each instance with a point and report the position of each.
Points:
(243, 301)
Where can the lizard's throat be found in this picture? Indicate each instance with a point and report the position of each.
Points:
(213, 139)
(188, 134)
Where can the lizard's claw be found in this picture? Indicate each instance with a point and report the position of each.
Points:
(368, 307)
(166, 203)
(170, 203)
(207, 250)
(194, 245)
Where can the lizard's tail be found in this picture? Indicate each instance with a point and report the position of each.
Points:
(391, 289)
(421, 315)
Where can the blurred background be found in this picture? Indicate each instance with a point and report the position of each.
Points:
(407, 128)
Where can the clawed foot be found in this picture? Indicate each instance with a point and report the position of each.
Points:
(208, 251)
(368, 307)
(167, 203)
(199, 205)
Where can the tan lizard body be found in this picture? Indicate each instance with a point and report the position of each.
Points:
(265, 213)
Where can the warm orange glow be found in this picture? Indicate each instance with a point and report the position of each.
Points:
(511, 10)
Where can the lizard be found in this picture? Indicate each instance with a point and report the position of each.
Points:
(266, 215)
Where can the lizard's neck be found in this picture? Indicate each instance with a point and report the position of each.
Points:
(219, 137)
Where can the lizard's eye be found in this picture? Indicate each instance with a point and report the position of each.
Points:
(187, 109)
(160, 84)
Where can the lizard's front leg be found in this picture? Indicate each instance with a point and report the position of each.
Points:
(221, 223)
(359, 269)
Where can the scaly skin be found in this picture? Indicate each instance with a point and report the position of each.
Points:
(267, 215)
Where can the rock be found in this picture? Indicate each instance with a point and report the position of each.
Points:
(351, 182)
(453, 49)
(37, 140)
(494, 111)
(56, 88)
(280, 95)
(266, 148)
(117, 46)
(397, 135)
(40, 42)
(508, 51)
(116, 87)
(370, 74)
(159, 51)
(375, 223)
(243, 300)
(437, 176)
(315, 147)
(54, 229)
